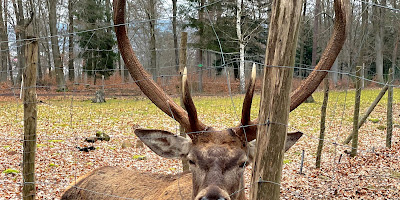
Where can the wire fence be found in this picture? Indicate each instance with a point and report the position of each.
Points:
(67, 127)
(66, 119)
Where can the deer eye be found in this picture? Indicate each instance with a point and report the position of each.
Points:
(192, 162)
(242, 165)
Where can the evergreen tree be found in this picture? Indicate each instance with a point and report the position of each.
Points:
(220, 17)
(97, 45)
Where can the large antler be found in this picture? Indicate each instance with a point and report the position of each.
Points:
(142, 78)
(328, 57)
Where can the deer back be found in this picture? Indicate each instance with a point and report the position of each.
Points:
(116, 183)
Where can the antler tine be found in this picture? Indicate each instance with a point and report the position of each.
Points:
(143, 80)
(248, 99)
(195, 124)
(250, 131)
(328, 57)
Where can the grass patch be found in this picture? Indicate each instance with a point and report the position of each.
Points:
(395, 174)
(286, 161)
(55, 141)
(40, 145)
(11, 171)
(139, 157)
(374, 120)
(381, 127)
(53, 165)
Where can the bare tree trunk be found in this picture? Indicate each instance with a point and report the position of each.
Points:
(4, 46)
(200, 68)
(121, 67)
(378, 29)
(200, 51)
(322, 124)
(301, 42)
(335, 74)
(46, 47)
(20, 34)
(36, 30)
(10, 69)
(389, 129)
(389, 117)
(94, 70)
(364, 26)
(39, 67)
(200, 56)
(275, 99)
(239, 5)
(174, 10)
(317, 18)
(71, 69)
(62, 53)
(30, 122)
(59, 69)
(153, 54)
(354, 144)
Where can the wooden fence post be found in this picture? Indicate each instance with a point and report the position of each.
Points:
(368, 112)
(354, 144)
(389, 128)
(30, 120)
(182, 65)
(275, 99)
(322, 124)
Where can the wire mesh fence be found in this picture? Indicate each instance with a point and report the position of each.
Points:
(67, 119)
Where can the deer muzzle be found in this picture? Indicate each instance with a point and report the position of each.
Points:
(212, 193)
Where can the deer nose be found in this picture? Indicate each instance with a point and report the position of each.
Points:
(212, 198)
(213, 193)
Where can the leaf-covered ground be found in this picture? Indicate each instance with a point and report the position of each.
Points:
(63, 123)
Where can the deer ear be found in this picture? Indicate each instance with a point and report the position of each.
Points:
(291, 139)
(164, 143)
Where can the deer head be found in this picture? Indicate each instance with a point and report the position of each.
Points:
(217, 158)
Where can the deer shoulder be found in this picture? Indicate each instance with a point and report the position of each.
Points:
(116, 183)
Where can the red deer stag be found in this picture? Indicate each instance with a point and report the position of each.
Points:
(217, 158)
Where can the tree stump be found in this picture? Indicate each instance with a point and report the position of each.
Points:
(99, 97)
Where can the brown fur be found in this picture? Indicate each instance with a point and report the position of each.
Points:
(113, 182)
(217, 159)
